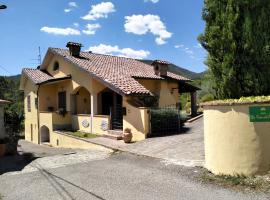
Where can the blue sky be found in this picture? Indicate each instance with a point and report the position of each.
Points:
(149, 29)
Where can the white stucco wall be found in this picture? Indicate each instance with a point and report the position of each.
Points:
(2, 130)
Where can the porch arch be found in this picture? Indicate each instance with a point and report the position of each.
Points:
(81, 101)
(45, 134)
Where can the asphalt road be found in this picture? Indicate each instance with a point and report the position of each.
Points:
(121, 176)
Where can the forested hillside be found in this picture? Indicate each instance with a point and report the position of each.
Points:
(9, 90)
(181, 71)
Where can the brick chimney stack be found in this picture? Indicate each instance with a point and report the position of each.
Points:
(160, 67)
(74, 48)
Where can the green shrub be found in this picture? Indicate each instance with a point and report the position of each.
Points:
(166, 121)
(188, 107)
(251, 99)
(207, 97)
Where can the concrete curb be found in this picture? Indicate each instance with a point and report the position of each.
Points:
(194, 118)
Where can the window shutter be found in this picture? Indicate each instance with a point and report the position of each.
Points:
(29, 103)
(62, 100)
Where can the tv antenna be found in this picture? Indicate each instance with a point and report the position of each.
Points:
(39, 57)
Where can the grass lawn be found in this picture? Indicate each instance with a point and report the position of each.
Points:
(82, 134)
(259, 183)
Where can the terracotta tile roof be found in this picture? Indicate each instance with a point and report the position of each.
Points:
(36, 75)
(118, 73)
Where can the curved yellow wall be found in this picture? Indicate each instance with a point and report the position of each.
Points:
(233, 144)
(137, 119)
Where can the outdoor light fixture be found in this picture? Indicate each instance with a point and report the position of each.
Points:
(3, 6)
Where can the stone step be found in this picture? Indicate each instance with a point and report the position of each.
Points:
(114, 134)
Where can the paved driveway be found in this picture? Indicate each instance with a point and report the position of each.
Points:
(121, 176)
(31, 156)
(184, 149)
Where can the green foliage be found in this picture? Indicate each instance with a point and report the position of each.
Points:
(207, 97)
(166, 121)
(14, 113)
(251, 99)
(260, 183)
(237, 37)
(82, 134)
(188, 107)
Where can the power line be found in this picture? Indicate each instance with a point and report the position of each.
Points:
(5, 69)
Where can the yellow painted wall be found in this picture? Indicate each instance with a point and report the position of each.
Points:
(31, 117)
(79, 76)
(48, 97)
(83, 102)
(66, 141)
(166, 90)
(233, 144)
(137, 119)
(168, 95)
(97, 120)
(51, 119)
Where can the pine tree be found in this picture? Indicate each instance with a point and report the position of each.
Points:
(237, 38)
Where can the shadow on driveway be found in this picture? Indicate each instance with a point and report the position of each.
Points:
(15, 162)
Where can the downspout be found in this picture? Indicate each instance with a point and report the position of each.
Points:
(38, 121)
(92, 112)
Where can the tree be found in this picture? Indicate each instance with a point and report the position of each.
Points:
(14, 113)
(237, 38)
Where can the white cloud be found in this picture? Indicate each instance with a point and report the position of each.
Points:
(185, 49)
(91, 29)
(60, 31)
(178, 46)
(72, 4)
(142, 24)
(67, 10)
(76, 24)
(115, 50)
(99, 11)
(198, 46)
(153, 1)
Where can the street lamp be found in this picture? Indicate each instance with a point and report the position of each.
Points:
(3, 6)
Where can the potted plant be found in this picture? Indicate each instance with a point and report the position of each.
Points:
(2, 147)
(127, 135)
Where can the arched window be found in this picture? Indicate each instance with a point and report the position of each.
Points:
(56, 66)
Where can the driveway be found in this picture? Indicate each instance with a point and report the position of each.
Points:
(121, 176)
(184, 149)
(31, 156)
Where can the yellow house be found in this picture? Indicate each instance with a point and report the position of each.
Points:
(102, 94)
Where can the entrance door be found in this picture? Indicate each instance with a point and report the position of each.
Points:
(107, 102)
(117, 113)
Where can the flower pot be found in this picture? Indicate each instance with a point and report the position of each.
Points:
(2, 149)
(127, 137)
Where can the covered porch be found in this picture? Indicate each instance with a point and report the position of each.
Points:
(79, 109)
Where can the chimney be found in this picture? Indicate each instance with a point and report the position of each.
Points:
(160, 67)
(74, 48)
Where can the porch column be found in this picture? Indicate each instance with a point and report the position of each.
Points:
(193, 98)
(93, 108)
